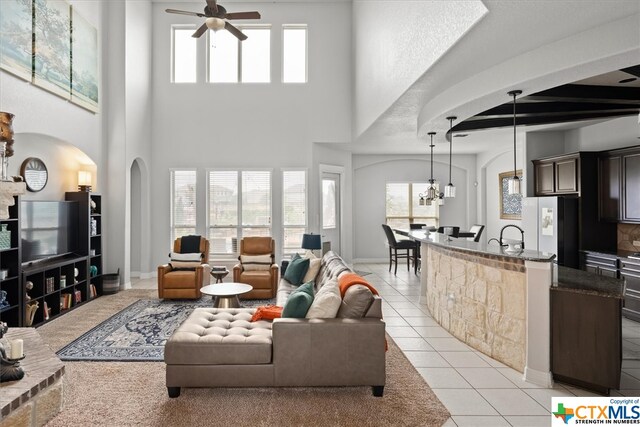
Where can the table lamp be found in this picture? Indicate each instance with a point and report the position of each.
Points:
(311, 242)
(84, 181)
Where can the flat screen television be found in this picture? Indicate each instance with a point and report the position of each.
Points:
(48, 229)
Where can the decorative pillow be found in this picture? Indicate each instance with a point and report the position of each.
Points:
(185, 265)
(326, 303)
(296, 270)
(299, 302)
(255, 262)
(356, 302)
(177, 256)
(314, 267)
(267, 312)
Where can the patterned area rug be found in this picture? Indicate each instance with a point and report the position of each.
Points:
(138, 332)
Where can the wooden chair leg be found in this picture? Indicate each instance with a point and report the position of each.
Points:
(395, 272)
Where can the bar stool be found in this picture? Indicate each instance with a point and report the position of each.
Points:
(402, 245)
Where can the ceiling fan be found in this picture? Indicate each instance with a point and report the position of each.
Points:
(216, 19)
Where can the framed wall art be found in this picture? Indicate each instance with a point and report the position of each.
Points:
(52, 46)
(510, 204)
(15, 37)
(84, 62)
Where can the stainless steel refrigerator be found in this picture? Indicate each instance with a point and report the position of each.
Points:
(551, 224)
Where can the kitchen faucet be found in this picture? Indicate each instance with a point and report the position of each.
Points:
(515, 226)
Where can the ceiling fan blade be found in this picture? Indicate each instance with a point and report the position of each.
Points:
(213, 5)
(184, 12)
(236, 32)
(243, 15)
(200, 31)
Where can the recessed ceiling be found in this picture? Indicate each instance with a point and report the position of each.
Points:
(594, 98)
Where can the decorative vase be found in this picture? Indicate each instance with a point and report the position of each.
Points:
(94, 227)
(6, 134)
(5, 237)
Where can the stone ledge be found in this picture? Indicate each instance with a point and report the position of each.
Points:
(42, 382)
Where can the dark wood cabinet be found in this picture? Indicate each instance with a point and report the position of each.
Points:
(586, 339)
(609, 175)
(630, 271)
(559, 175)
(567, 176)
(619, 185)
(600, 264)
(631, 187)
(545, 179)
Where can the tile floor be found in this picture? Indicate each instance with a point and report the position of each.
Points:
(477, 390)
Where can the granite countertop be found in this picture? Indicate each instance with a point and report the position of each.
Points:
(582, 281)
(478, 247)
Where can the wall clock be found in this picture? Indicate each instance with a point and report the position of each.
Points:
(35, 174)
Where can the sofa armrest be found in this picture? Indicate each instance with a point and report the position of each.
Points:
(162, 270)
(325, 352)
(237, 271)
(275, 278)
(203, 271)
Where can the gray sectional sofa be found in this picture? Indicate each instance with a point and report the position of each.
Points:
(223, 348)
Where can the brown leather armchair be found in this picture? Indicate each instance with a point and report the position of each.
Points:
(264, 282)
(178, 284)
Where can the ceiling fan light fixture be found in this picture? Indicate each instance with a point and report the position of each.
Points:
(215, 24)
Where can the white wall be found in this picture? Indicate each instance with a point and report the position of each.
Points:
(490, 165)
(271, 125)
(395, 42)
(617, 133)
(373, 172)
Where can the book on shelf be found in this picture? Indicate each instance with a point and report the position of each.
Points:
(78, 296)
(50, 283)
(65, 301)
(92, 291)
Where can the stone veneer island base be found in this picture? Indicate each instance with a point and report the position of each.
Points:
(495, 301)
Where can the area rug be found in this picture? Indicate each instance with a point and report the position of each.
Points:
(134, 393)
(138, 332)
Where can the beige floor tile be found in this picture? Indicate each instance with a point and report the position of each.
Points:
(485, 378)
(401, 332)
(480, 421)
(464, 402)
(443, 378)
(426, 359)
(463, 359)
(512, 402)
(413, 344)
(432, 332)
(529, 421)
(447, 344)
(543, 395)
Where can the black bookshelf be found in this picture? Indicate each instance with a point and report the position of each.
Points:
(10, 261)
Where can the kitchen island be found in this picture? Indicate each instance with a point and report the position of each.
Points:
(494, 300)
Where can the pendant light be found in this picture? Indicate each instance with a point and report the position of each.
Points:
(427, 197)
(514, 182)
(450, 189)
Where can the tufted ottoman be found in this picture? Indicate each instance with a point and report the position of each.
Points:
(220, 342)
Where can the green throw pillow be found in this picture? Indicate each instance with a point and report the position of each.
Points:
(299, 302)
(296, 270)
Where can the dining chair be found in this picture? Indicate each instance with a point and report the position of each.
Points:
(477, 229)
(449, 230)
(417, 226)
(394, 245)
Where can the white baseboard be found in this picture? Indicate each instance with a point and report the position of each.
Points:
(138, 275)
(371, 260)
(126, 286)
(544, 379)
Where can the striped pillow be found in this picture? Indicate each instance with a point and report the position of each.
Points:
(185, 261)
(255, 262)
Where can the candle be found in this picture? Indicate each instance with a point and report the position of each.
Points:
(16, 349)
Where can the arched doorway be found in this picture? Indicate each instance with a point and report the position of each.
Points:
(139, 210)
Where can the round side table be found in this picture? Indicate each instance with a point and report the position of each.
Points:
(219, 275)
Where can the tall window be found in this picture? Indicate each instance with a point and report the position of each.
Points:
(403, 208)
(183, 67)
(232, 61)
(183, 203)
(294, 209)
(239, 206)
(294, 54)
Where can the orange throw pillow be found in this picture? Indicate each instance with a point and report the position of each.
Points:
(267, 312)
(350, 279)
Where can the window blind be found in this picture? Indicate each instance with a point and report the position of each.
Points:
(294, 200)
(183, 203)
(256, 198)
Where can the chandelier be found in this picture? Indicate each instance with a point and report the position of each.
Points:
(432, 194)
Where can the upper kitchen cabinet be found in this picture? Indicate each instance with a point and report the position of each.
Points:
(561, 175)
(619, 185)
